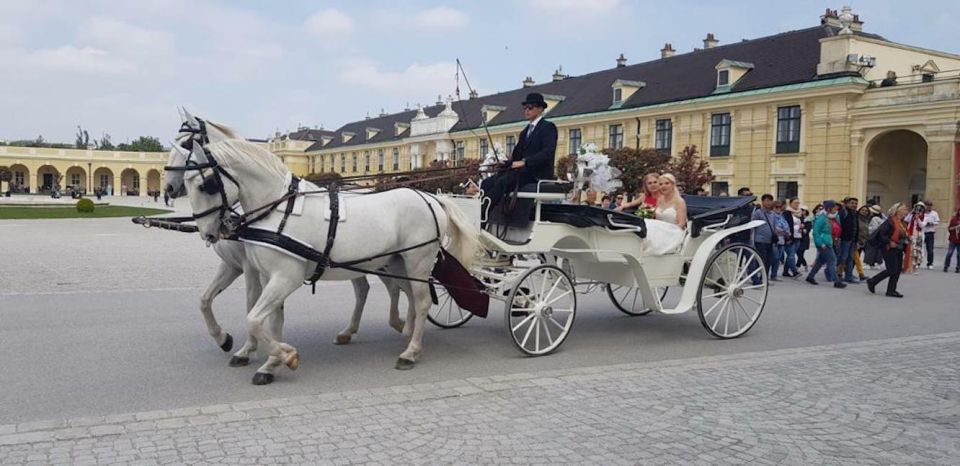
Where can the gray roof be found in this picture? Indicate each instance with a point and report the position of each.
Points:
(781, 59)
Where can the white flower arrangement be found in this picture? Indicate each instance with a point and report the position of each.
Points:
(595, 166)
(491, 160)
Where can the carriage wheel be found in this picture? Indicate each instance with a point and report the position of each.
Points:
(629, 301)
(541, 309)
(732, 292)
(446, 314)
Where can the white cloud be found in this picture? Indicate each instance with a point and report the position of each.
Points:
(583, 7)
(111, 34)
(87, 60)
(440, 18)
(416, 81)
(10, 34)
(330, 24)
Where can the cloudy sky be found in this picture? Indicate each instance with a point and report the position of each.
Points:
(123, 67)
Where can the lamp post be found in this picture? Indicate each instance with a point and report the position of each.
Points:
(89, 177)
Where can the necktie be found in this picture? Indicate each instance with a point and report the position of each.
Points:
(529, 130)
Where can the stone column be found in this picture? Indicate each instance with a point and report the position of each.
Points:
(941, 172)
(117, 184)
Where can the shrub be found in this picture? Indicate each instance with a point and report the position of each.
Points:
(85, 206)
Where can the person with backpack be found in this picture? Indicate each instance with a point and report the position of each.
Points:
(953, 233)
(826, 230)
(893, 238)
(872, 255)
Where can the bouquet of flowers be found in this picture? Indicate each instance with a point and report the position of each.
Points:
(645, 211)
(492, 161)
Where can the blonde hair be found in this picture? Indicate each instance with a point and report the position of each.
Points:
(645, 178)
(894, 208)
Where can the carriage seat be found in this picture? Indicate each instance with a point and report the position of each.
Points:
(545, 190)
(708, 210)
(583, 216)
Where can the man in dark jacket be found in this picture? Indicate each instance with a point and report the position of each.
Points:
(533, 157)
(849, 232)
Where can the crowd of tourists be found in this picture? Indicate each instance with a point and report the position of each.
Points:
(848, 240)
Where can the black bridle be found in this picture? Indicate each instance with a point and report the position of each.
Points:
(213, 184)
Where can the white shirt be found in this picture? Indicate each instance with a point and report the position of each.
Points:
(930, 221)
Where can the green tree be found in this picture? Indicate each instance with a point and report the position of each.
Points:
(105, 143)
(83, 138)
(690, 169)
(635, 163)
(142, 144)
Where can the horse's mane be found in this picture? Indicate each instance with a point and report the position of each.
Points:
(227, 131)
(241, 153)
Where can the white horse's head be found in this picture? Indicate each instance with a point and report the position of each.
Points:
(211, 197)
(193, 132)
(593, 171)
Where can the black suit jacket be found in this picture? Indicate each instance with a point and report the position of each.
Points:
(538, 150)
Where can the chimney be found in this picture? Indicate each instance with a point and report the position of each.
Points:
(406, 107)
(473, 94)
(621, 61)
(382, 113)
(439, 99)
(529, 82)
(667, 51)
(710, 42)
(367, 117)
(558, 75)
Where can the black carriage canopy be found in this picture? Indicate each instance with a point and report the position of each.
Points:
(701, 211)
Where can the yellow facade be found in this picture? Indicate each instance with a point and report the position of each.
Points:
(123, 173)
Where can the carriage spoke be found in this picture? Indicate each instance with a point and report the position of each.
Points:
(636, 292)
(736, 315)
(713, 282)
(560, 326)
(745, 268)
(549, 294)
(749, 298)
(563, 310)
(558, 298)
(527, 335)
(525, 319)
(726, 319)
(745, 313)
(753, 287)
(755, 271)
(716, 295)
(720, 312)
(715, 305)
(546, 331)
(536, 337)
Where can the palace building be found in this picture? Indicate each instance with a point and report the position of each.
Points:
(822, 112)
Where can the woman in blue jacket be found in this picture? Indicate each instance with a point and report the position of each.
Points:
(824, 237)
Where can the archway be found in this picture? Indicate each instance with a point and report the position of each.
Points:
(103, 179)
(48, 177)
(76, 178)
(130, 181)
(153, 181)
(896, 167)
(20, 180)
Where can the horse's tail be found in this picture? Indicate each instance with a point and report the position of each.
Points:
(463, 236)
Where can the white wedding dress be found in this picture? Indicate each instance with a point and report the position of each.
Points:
(663, 234)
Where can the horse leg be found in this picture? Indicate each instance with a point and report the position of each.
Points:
(419, 294)
(225, 276)
(361, 287)
(252, 280)
(393, 290)
(278, 287)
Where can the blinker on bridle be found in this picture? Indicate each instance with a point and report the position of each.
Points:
(211, 185)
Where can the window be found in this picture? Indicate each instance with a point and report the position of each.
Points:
(576, 138)
(616, 137)
(75, 179)
(380, 160)
(396, 159)
(104, 180)
(718, 188)
(136, 183)
(664, 136)
(18, 178)
(617, 95)
(788, 130)
(787, 189)
(343, 163)
(723, 78)
(366, 161)
(484, 147)
(355, 162)
(511, 143)
(720, 134)
(458, 154)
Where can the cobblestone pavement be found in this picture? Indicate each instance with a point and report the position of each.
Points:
(892, 401)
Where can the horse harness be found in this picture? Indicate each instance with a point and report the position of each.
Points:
(239, 225)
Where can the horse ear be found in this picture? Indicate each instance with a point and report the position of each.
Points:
(183, 118)
(190, 119)
(197, 153)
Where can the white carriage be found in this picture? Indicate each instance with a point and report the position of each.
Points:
(548, 251)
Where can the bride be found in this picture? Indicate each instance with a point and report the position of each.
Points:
(666, 231)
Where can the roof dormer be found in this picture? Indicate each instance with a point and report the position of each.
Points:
(729, 72)
(347, 136)
(489, 112)
(324, 140)
(623, 89)
(399, 128)
(552, 100)
(371, 133)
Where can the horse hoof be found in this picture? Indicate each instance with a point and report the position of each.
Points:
(238, 361)
(404, 364)
(262, 378)
(342, 339)
(227, 344)
(293, 362)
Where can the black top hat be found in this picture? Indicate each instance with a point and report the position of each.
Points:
(535, 98)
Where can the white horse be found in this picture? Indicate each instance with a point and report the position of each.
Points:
(382, 224)
(234, 263)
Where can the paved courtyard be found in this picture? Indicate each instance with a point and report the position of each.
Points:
(108, 362)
